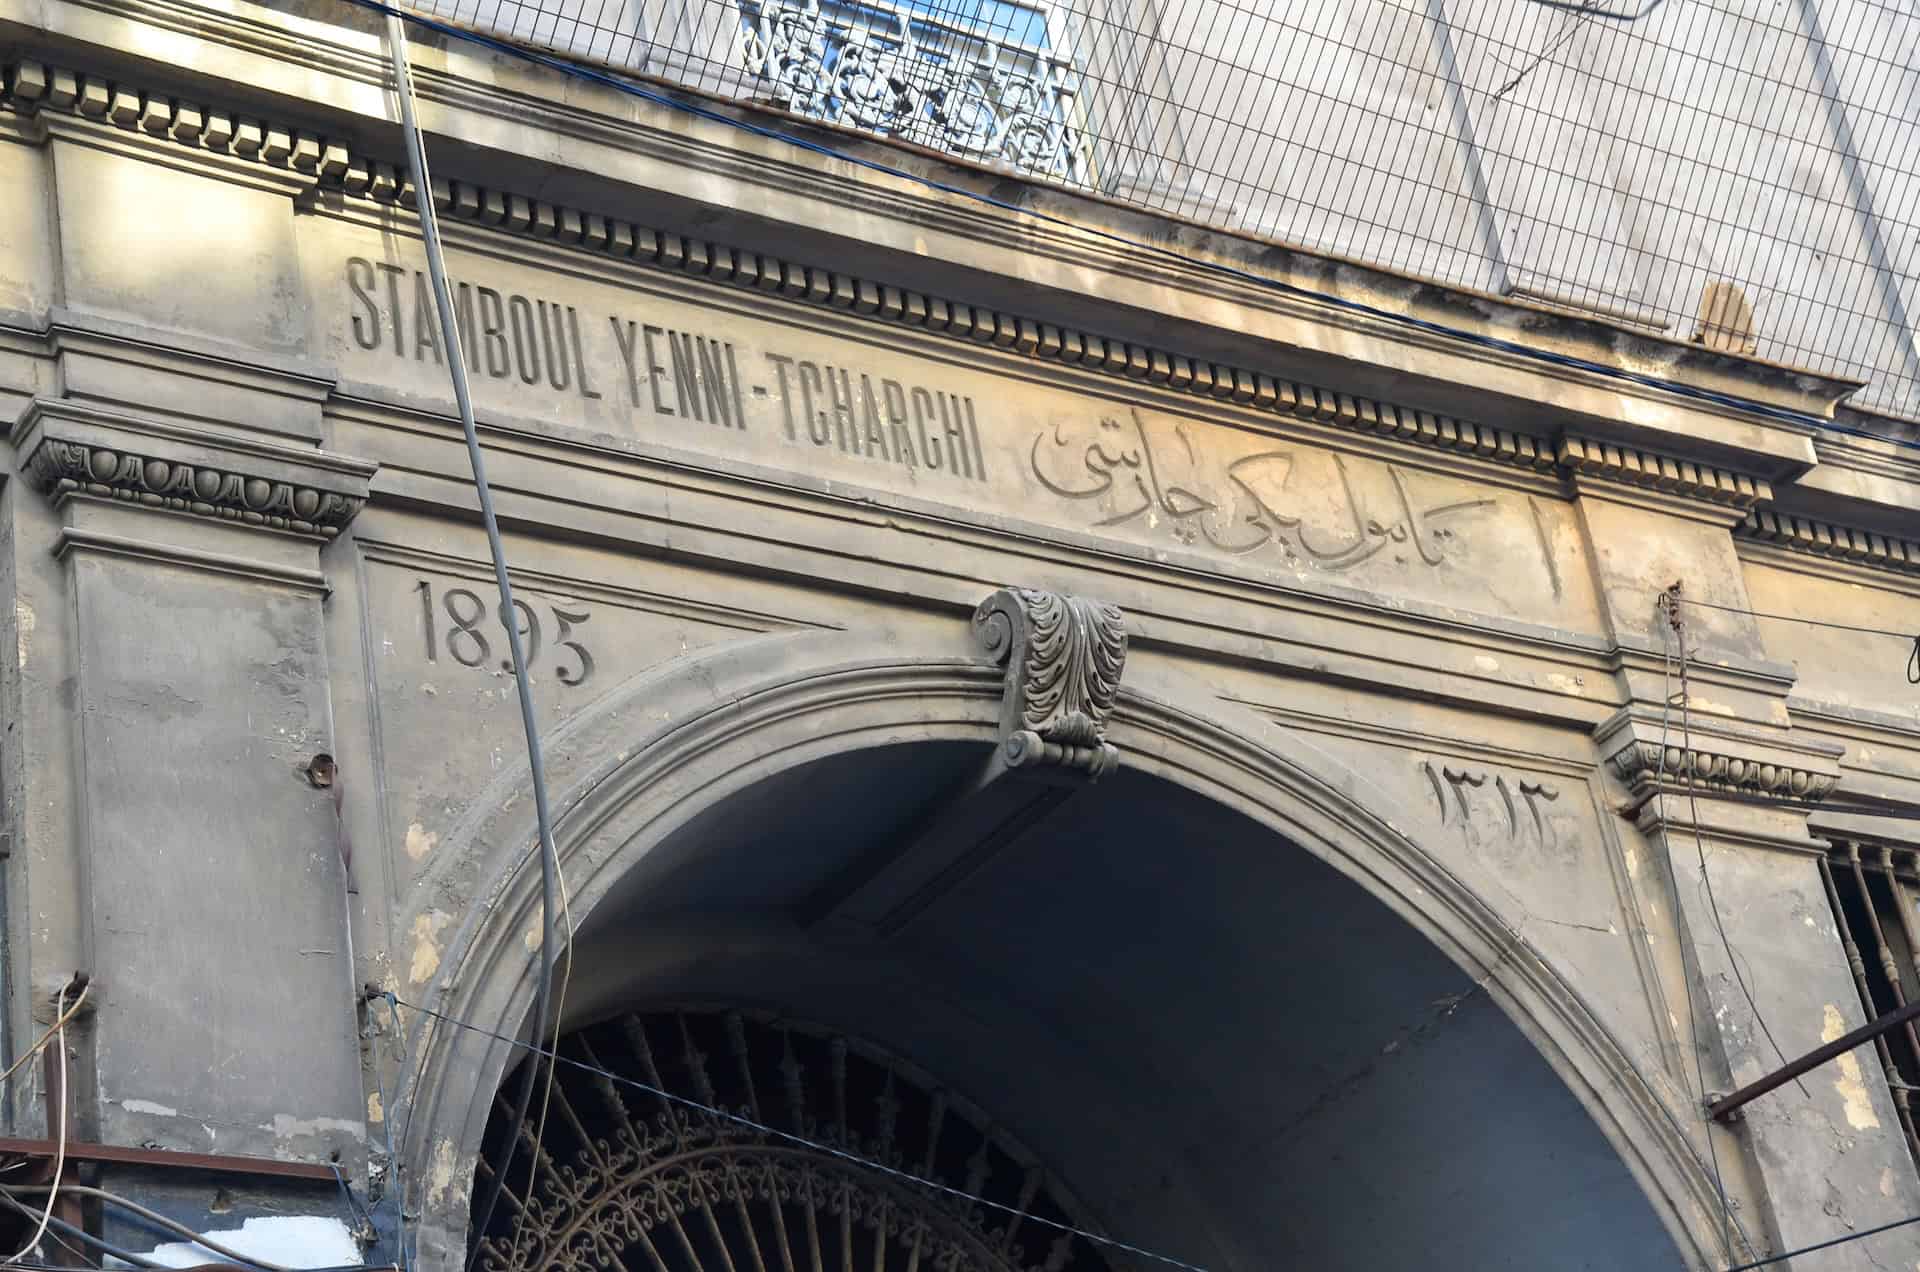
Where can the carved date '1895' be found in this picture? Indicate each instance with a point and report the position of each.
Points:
(466, 639)
(1133, 478)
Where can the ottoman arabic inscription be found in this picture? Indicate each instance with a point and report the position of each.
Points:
(1313, 507)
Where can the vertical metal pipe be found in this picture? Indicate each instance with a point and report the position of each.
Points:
(463, 397)
(1501, 279)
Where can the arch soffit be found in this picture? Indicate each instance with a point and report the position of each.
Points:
(688, 734)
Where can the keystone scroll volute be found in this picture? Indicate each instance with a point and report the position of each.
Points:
(1064, 655)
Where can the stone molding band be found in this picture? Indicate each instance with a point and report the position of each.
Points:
(1634, 467)
(1825, 539)
(57, 468)
(1649, 768)
(30, 86)
(76, 449)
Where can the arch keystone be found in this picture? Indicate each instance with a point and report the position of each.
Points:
(1064, 656)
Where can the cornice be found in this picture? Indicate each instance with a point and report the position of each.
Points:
(1647, 767)
(31, 86)
(1672, 814)
(1857, 725)
(324, 167)
(69, 449)
(1825, 539)
(1652, 755)
(1588, 459)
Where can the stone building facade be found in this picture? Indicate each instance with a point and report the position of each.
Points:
(1196, 763)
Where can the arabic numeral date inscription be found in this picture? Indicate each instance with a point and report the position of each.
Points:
(456, 623)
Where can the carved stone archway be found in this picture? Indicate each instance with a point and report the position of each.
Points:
(683, 740)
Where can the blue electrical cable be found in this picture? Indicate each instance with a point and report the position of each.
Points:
(658, 97)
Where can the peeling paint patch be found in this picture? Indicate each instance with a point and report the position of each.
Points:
(375, 1113)
(420, 841)
(426, 950)
(1632, 855)
(285, 1126)
(292, 1241)
(1851, 1088)
(440, 1172)
(148, 1106)
(23, 624)
(1485, 663)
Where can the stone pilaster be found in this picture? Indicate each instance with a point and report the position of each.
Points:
(1771, 981)
(210, 893)
(1723, 806)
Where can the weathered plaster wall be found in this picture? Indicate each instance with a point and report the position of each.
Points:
(1443, 622)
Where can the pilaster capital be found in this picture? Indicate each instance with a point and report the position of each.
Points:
(77, 450)
(1648, 751)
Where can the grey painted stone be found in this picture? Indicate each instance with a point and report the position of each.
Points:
(1375, 915)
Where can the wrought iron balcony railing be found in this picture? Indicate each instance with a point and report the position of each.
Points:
(905, 74)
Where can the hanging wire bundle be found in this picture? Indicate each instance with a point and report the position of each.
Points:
(1744, 176)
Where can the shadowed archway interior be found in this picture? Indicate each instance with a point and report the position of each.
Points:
(1166, 1023)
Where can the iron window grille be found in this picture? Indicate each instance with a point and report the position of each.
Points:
(1874, 890)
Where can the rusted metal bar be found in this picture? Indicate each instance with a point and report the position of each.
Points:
(1888, 966)
(39, 1148)
(1902, 1095)
(1726, 1105)
(65, 1207)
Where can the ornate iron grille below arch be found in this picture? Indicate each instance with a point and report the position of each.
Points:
(623, 1178)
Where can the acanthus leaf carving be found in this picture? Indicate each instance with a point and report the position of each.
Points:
(1064, 656)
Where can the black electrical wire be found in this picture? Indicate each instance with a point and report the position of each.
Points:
(553, 1057)
(387, 1112)
(126, 1256)
(1913, 654)
(1590, 9)
(354, 1208)
(1825, 1245)
(1699, 844)
(1795, 618)
(1661, 615)
(155, 1219)
(1549, 357)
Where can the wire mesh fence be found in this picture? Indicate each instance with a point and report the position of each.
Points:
(1741, 172)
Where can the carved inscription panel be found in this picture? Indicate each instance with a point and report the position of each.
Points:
(448, 721)
(1502, 813)
(740, 378)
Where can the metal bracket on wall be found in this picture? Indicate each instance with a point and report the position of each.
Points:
(1722, 1109)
